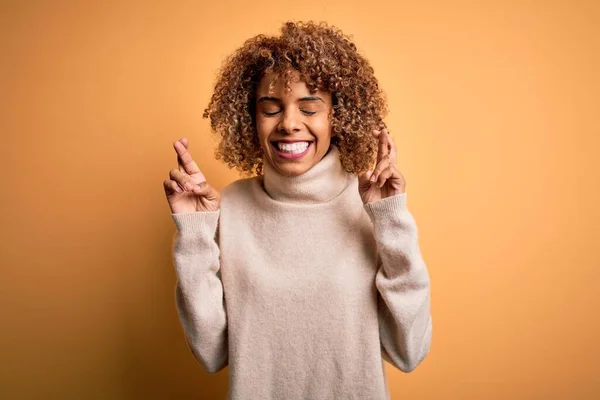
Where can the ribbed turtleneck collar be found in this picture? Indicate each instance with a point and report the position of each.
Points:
(323, 182)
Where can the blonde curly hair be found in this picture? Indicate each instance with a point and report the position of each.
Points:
(325, 60)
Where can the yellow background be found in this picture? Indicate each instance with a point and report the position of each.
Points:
(494, 109)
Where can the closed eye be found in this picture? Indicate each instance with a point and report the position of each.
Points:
(270, 114)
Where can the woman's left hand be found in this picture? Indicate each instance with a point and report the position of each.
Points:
(385, 180)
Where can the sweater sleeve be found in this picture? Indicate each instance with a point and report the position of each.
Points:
(199, 295)
(402, 282)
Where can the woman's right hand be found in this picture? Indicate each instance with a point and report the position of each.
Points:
(186, 189)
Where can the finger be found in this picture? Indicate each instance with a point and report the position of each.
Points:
(381, 166)
(204, 189)
(207, 191)
(183, 141)
(364, 180)
(384, 176)
(393, 151)
(179, 163)
(171, 187)
(185, 159)
(184, 180)
(383, 144)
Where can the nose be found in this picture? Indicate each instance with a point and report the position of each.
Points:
(289, 122)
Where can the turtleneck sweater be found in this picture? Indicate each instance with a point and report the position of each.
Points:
(300, 288)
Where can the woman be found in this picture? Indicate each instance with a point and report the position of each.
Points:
(304, 276)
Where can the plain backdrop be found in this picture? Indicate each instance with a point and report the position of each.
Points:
(495, 111)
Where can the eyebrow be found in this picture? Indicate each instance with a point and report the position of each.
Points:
(302, 99)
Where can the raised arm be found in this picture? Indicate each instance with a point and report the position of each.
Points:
(402, 281)
(402, 278)
(199, 290)
(199, 295)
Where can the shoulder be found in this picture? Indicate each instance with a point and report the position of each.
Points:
(239, 188)
(239, 198)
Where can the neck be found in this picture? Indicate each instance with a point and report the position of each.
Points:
(320, 184)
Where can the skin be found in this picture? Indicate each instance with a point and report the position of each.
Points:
(385, 180)
(297, 115)
(186, 189)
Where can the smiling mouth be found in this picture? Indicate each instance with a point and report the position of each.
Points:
(291, 150)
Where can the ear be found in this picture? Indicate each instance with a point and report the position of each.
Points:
(330, 114)
(330, 120)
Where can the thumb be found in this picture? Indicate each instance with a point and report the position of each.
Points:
(364, 180)
(207, 190)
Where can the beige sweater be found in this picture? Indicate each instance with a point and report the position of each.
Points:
(301, 289)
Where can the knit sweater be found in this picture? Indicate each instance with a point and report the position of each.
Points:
(301, 289)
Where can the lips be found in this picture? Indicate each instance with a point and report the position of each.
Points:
(290, 141)
(291, 156)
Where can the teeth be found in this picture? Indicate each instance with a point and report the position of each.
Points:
(293, 148)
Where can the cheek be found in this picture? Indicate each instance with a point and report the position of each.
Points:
(320, 126)
(264, 127)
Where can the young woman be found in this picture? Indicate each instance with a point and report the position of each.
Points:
(305, 275)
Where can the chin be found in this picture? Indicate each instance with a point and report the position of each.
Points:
(293, 168)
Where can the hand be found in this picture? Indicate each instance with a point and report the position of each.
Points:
(385, 180)
(186, 189)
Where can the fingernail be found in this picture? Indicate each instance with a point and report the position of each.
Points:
(373, 178)
(178, 189)
(188, 186)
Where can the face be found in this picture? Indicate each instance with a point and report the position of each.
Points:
(294, 129)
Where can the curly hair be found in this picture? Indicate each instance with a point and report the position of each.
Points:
(325, 59)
